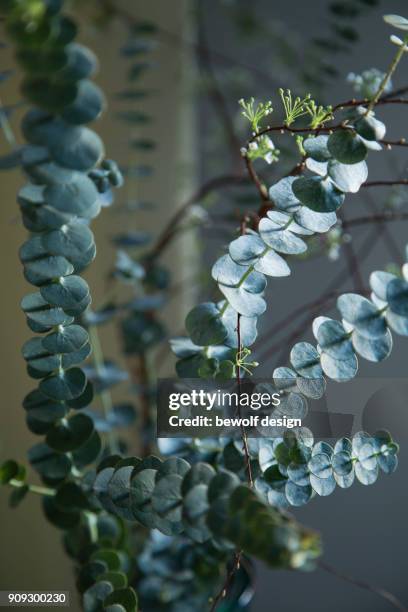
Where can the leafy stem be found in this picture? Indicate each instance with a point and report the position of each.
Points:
(105, 395)
(14, 482)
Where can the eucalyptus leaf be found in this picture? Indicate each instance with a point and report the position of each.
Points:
(296, 495)
(340, 370)
(320, 195)
(323, 486)
(362, 314)
(70, 241)
(251, 250)
(248, 331)
(39, 311)
(87, 105)
(71, 293)
(66, 339)
(315, 221)
(346, 147)
(398, 323)
(69, 435)
(205, 326)
(334, 340)
(282, 240)
(66, 385)
(305, 360)
(370, 128)
(81, 62)
(226, 272)
(78, 148)
(243, 301)
(376, 349)
(320, 465)
(397, 296)
(48, 463)
(379, 282)
(348, 177)
(316, 148)
(76, 195)
(41, 271)
(281, 194)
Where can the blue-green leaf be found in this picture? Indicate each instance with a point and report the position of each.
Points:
(281, 194)
(315, 221)
(334, 340)
(373, 349)
(248, 331)
(348, 177)
(316, 148)
(379, 282)
(397, 296)
(346, 147)
(78, 148)
(87, 106)
(296, 495)
(282, 240)
(65, 385)
(362, 314)
(205, 326)
(251, 250)
(340, 370)
(306, 360)
(318, 194)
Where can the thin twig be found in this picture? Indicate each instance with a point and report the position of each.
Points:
(387, 236)
(244, 437)
(263, 192)
(228, 581)
(385, 183)
(224, 180)
(378, 218)
(352, 261)
(392, 599)
(141, 376)
(105, 394)
(395, 143)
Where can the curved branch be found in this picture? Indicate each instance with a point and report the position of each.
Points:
(379, 218)
(362, 584)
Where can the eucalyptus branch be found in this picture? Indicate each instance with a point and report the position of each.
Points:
(105, 394)
(228, 581)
